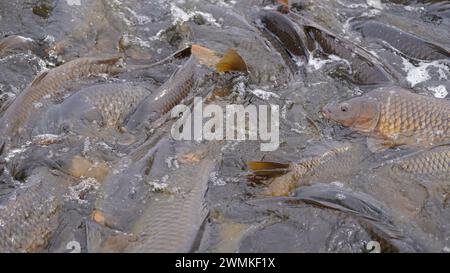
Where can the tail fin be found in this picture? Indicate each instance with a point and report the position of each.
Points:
(268, 169)
(231, 61)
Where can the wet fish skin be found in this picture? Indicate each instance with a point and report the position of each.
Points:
(172, 222)
(434, 161)
(105, 105)
(395, 116)
(325, 162)
(284, 29)
(15, 119)
(406, 43)
(375, 217)
(265, 65)
(28, 220)
(365, 70)
(14, 41)
(172, 92)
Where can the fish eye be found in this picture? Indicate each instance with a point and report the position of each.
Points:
(344, 107)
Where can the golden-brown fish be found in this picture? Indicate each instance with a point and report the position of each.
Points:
(327, 162)
(434, 161)
(394, 116)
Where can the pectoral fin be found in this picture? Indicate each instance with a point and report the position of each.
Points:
(376, 145)
(269, 169)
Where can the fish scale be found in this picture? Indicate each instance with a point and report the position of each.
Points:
(28, 220)
(393, 116)
(433, 161)
(172, 92)
(114, 101)
(406, 113)
(17, 116)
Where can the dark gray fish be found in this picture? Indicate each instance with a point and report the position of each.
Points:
(97, 107)
(287, 33)
(408, 44)
(265, 65)
(30, 216)
(172, 92)
(393, 235)
(172, 221)
(365, 69)
(124, 192)
(15, 120)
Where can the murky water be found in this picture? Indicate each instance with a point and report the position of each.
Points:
(142, 190)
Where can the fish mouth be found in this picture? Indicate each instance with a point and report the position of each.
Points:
(326, 111)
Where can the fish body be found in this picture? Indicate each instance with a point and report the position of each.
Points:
(105, 105)
(13, 42)
(434, 161)
(365, 69)
(172, 222)
(325, 163)
(394, 116)
(172, 92)
(265, 65)
(15, 119)
(29, 217)
(286, 32)
(408, 44)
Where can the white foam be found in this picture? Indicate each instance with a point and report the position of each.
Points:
(180, 16)
(375, 4)
(77, 192)
(316, 63)
(439, 91)
(418, 74)
(73, 2)
(264, 95)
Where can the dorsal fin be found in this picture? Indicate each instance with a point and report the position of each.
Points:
(205, 55)
(39, 78)
(231, 61)
(111, 60)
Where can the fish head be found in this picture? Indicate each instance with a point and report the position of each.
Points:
(360, 114)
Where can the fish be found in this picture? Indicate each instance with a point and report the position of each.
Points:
(286, 32)
(433, 161)
(92, 109)
(407, 44)
(159, 218)
(265, 65)
(172, 92)
(30, 216)
(15, 119)
(321, 162)
(378, 220)
(365, 68)
(394, 116)
(172, 222)
(13, 42)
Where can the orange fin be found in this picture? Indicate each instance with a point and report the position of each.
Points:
(231, 61)
(283, 2)
(205, 55)
(266, 168)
